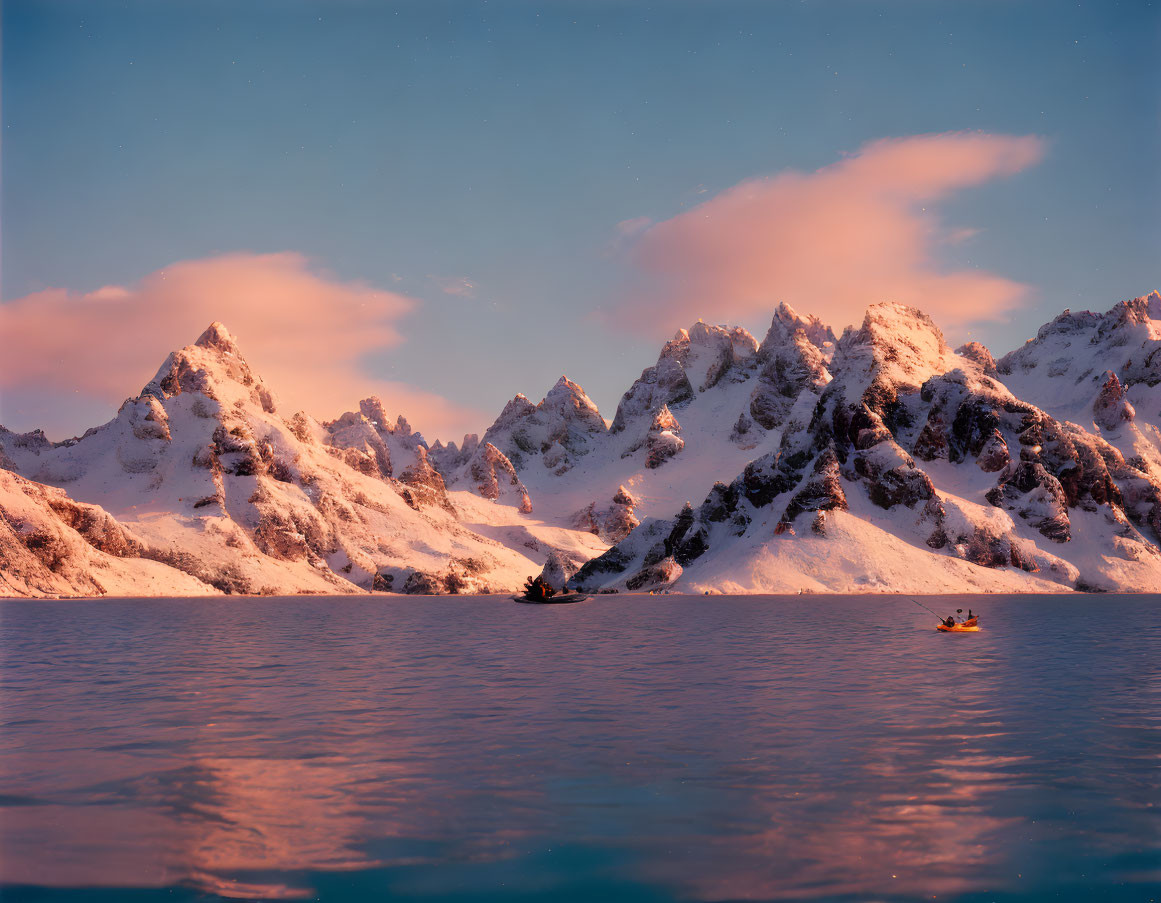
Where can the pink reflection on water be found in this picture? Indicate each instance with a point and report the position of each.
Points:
(747, 756)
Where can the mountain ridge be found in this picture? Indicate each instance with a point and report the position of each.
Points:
(877, 460)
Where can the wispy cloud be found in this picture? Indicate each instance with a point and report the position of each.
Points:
(459, 286)
(832, 241)
(635, 226)
(66, 355)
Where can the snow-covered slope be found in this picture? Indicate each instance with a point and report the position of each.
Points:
(881, 460)
(51, 545)
(714, 400)
(1101, 371)
(907, 466)
(1064, 368)
(214, 481)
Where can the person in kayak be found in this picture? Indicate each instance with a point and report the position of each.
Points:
(950, 622)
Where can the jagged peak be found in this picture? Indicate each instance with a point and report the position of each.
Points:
(213, 366)
(519, 406)
(217, 336)
(787, 321)
(899, 342)
(978, 352)
(569, 398)
(372, 408)
(701, 332)
(704, 334)
(564, 385)
(1125, 322)
(892, 315)
(1110, 407)
(1133, 311)
(495, 477)
(1138, 310)
(786, 314)
(889, 322)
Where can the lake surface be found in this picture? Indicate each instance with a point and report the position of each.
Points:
(630, 748)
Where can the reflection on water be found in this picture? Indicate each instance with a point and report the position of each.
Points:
(656, 748)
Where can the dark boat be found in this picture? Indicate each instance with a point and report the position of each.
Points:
(553, 600)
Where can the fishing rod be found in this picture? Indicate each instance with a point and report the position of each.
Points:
(941, 618)
(921, 605)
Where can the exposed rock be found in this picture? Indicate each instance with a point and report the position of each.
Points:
(51, 545)
(994, 455)
(559, 569)
(1110, 408)
(656, 576)
(422, 484)
(462, 576)
(743, 434)
(560, 430)
(449, 459)
(823, 491)
(692, 363)
(792, 358)
(1038, 497)
(493, 477)
(218, 491)
(663, 441)
(976, 352)
(612, 521)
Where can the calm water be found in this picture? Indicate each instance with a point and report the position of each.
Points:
(639, 748)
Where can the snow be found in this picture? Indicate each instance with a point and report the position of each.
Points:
(202, 484)
(238, 498)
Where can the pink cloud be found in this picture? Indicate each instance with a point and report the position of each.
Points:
(634, 226)
(67, 355)
(830, 242)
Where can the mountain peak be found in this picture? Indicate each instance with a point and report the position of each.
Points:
(213, 365)
(889, 324)
(975, 351)
(217, 336)
(566, 385)
(787, 321)
(570, 402)
(902, 343)
(372, 408)
(1140, 310)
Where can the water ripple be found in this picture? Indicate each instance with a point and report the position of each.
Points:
(655, 748)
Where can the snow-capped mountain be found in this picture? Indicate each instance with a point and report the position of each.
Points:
(881, 460)
(694, 416)
(205, 475)
(1102, 371)
(51, 545)
(900, 464)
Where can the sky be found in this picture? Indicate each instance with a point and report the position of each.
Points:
(448, 203)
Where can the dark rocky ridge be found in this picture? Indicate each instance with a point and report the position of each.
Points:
(898, 398)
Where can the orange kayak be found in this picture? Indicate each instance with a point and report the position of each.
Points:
(970, 627)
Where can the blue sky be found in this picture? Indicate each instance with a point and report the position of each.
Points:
(414, 145)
